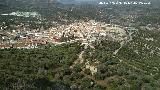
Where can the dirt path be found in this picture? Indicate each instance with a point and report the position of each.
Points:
(80, 59)
(116, 51)
(124, 43)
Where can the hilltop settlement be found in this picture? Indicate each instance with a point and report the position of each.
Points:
(84, 32)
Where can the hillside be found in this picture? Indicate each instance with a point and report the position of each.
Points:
(79, 45)
(134, 67)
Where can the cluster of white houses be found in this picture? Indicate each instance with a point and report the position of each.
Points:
(86, 32)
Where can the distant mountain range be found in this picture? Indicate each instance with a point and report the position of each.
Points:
(45, 3)
(67, 1)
